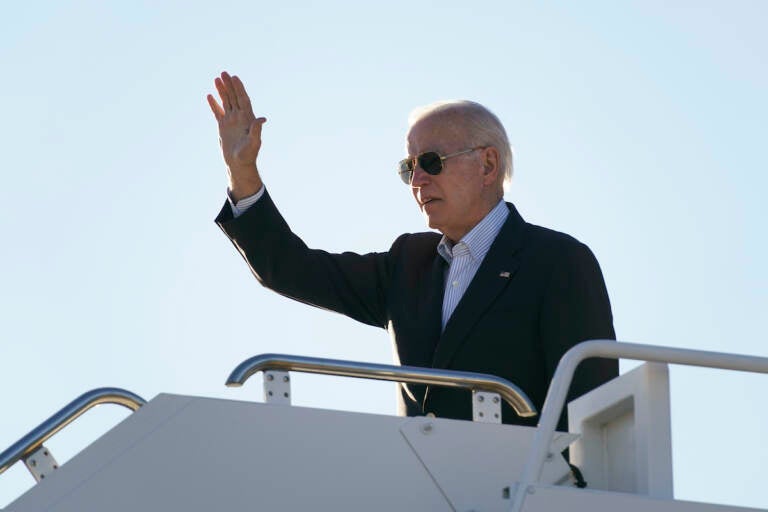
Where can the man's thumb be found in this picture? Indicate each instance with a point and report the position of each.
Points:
(254, 131)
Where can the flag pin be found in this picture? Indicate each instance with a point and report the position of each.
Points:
(504, 274)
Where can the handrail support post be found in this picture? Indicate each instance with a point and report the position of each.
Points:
(277, 387)
(486, 407)
(40, 463)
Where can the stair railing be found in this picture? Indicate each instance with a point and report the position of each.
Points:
(487, 389)
(561, 381)
(30, 448)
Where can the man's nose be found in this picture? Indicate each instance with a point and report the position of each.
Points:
(420, 177)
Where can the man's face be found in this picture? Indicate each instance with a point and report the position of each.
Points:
(455, 200)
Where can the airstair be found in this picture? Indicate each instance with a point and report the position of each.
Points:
(200, 454)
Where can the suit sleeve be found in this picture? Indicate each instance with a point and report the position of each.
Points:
(576, 308)
(348, 283)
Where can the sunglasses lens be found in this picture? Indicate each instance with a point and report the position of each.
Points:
(405, 169)
(431, 163)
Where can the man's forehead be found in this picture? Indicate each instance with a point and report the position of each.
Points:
(436, 133)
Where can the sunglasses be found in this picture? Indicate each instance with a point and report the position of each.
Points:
(431, 162)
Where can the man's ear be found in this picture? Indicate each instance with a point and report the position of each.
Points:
(490, 161)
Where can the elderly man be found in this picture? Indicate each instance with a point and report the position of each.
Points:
(490, 294)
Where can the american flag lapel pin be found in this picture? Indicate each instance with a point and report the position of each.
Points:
(504, 274)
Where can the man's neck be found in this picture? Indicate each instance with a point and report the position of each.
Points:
(456, 235)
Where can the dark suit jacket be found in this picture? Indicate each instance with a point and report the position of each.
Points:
(516, 327)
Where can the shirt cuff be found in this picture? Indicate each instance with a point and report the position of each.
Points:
(239, 207)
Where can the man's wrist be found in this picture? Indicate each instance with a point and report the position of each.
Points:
(244, 182)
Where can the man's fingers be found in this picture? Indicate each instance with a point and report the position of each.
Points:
(230, 89)
(218, 112)
(242, 97)
(226, 100)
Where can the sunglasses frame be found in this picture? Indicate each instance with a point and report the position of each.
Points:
(407, 166)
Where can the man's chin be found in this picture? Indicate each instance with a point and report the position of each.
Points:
(431, 222)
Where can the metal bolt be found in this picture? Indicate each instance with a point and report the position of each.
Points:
(269, 393)
(549, 456)
(480, 414)
(285, 394)
(480, 398)
(531, 490)
(270, 376)
(33, 463)
(495, 399)
(426, 428)
(286, 379)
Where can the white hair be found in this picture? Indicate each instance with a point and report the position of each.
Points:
(481, 126)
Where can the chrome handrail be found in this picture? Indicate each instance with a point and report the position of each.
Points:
(558, 389)
(512, 394)
(32, 441)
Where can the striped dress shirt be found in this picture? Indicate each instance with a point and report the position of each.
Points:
(465, 257)
(239, 207)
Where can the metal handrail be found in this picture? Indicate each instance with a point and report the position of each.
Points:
(558, 389)
(512, 394)
(32, 441)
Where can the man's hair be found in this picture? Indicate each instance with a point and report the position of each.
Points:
(482, 127)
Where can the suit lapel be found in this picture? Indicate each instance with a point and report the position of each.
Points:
(433, 301)
(427, 319)
(491, 279)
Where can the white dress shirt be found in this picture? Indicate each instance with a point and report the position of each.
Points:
(238, 208)
(465, 257)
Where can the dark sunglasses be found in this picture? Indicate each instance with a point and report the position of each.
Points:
(431, 162)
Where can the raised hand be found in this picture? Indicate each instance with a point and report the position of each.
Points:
(239, 134)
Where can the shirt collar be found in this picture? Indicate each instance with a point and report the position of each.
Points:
(480, 237)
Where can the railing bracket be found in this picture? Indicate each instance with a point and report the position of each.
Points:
(40, 463)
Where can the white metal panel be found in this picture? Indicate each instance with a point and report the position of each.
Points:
(100, 453)
(619, 453)
(549, 499)
(472, 463)
(625, 432)
(197, 454)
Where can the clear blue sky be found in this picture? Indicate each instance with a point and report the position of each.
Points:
(639, 128)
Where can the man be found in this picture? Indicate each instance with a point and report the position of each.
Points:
(493, 294)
